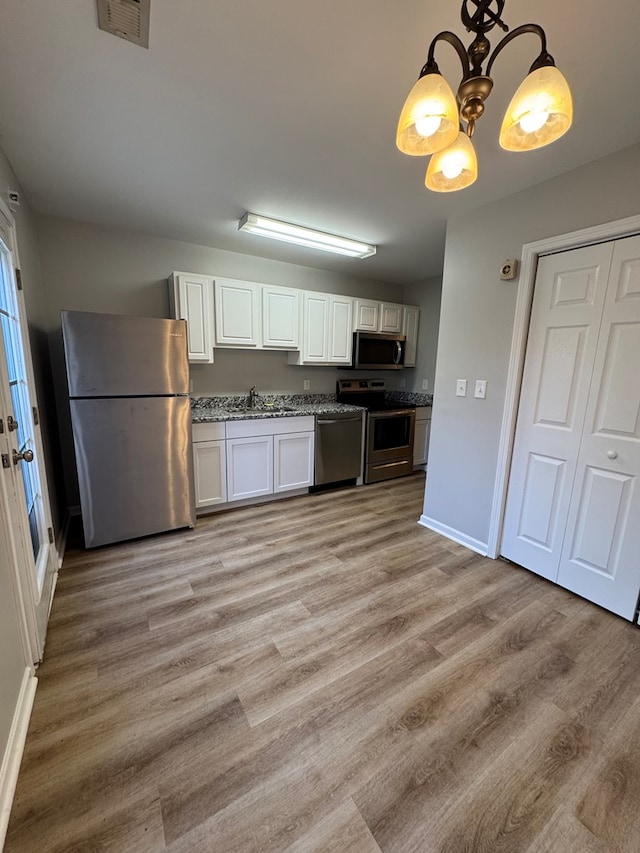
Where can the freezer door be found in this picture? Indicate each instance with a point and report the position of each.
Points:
(135, 467)
(113, 355)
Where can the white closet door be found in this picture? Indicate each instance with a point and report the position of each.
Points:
(563, 336)
(601, 553)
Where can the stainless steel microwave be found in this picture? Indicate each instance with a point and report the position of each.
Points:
(377, 351)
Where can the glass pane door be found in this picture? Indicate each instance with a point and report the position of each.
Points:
(22, 419)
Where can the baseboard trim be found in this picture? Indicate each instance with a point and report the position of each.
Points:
(10, 766)
(454, 535)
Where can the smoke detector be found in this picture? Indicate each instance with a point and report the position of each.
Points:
(128, 19)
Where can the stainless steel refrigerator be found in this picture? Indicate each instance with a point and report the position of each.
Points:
(129, 395)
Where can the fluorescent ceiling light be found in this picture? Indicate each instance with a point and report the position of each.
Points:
(288, 233)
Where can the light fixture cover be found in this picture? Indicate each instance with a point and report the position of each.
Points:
(429, 119)
(454, 168)
(286, 232)
(540, 112)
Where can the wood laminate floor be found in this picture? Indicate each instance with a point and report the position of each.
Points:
(322, 674)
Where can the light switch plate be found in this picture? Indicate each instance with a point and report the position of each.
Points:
(306, 385)
(481, 389)
(425, 384)
(461, 388)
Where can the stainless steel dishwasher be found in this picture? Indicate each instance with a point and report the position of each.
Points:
(338, 454)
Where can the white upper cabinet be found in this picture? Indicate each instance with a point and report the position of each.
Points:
(340, 334)
(280, 317)
(326, 329)
(371, 316)
(410, 331)
(237, 313)
(191, 299)
(367, 315)
(315, 333)
(391, 318)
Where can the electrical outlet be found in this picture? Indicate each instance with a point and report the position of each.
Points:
(481, 389)
(425, 384)
(403, 383)
(461, 388)
(306, 385)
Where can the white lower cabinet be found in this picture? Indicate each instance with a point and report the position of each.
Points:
(245, 459)
(292, 461)
(210, 468)
(421, 435)
(250, 467)
(210, 464)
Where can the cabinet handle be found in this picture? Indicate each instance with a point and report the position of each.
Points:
(612, 454)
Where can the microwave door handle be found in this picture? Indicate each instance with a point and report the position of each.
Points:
(397, 358)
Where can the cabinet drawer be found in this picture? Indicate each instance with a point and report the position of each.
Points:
(269, 426)
(214, 431)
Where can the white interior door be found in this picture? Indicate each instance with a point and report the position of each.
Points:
(600, 558)
(563, 336)
(23, 469)
(573, 503)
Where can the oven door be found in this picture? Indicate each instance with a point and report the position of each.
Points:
(389, 445)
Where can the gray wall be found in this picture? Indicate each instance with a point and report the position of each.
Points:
(476, 324)
(427, 295)
(92, 268)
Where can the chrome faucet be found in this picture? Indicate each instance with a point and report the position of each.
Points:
(253, 396)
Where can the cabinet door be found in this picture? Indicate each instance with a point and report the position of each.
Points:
(340, 326)
(192, 300)
(392, 318)
(316, 332)
(367, 315)
(419, 443)
(280, 317)
(410, 330)
(249, 467)
(210, 469)
(293, 461)
(237, 313)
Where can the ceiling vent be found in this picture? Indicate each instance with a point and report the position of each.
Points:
(128, 19)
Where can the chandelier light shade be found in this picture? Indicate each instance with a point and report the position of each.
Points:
(540, 112)
(454, 168)
(429, 119)
(298, 235)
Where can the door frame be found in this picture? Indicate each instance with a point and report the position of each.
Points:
(530, 253)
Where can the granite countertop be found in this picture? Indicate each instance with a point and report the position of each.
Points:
(235, 408)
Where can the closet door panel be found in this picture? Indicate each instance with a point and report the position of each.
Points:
(563, 335)
(602, 543)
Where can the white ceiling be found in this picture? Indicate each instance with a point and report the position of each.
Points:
(286, 108)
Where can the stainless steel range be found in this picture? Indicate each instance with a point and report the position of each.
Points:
(390, 428)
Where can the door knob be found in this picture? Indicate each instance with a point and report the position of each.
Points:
(26, 456)
(612, 454)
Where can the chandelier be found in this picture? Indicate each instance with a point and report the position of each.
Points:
(431, 121)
